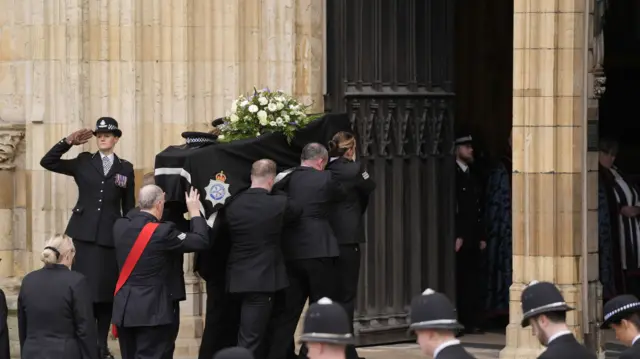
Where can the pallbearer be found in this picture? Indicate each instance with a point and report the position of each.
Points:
(544, 308)
(622, 313)
(105, 193)
(433, 318)
(326, 330)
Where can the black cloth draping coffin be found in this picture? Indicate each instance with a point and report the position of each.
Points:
(179, 167)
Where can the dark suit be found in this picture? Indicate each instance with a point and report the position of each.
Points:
(55, 318)
(143, 309)
(4, 329)
(101, 200)
(566, 346)
(453, 352)
(633, 352)
(469, 227)
(346, 218)
(255, 268)
(310, 249)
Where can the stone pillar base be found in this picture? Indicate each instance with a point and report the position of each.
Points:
(521, 348)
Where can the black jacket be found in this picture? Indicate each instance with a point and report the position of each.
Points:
(566, 346)
(453, 352)
(101, 199)
(633, 352)
(4, 329)
(468, 209)
(346, 214)
(146, 298)
(255, 220)
(55, 315)
(314, 192)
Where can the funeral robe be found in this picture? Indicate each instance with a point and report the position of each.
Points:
(143, 308)
(566, 346)
(470, 278)
(498, 223)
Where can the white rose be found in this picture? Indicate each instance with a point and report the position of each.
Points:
(279, 106)
(272, 123)
(221, 137)
(253, 108)
(263, 100)
(286, 117)
(244, 103)
(263, 122)
(279, 121)
(234, 118)
(272, 107)
(257, 133)
(262, 115)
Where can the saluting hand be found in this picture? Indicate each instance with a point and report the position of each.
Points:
(79, 137)
(193, 202)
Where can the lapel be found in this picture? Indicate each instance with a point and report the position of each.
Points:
(96, 161)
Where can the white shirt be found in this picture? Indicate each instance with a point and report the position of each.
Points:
(635, 339)
(110, 156)
(448, 343)
(557, 335)
(463, 166)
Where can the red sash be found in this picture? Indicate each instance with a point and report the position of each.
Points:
(132, 259)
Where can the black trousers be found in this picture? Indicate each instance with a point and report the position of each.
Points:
(221, 322)
(102, 314)
(348, 265)
(144, 342)
(255, 313)
(470, 285)
(314, 279)
(175, 328)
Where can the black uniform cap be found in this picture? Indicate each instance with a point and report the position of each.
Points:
(107, 124)
(539, 298)
(619, 308)
(463, 138)
(199, 138)
(433, 310)
(326, 322)
(234, 353)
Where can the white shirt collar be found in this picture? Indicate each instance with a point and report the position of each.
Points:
(333, 159)
(463, 166)
(557, 335)
(102, 156)
(635, 339)
(448, 343)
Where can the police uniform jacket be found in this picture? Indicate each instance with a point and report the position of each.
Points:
(255, 220)
(146, 299)
(346, 215)
(101, 199)
(633, 352)
(55, 315)
(468, 209)
(314, 192)
(455, 351)
(566, 346)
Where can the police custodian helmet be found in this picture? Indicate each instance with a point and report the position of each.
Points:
(433, 310)
(619, 308)
(326, 322)
(539, 298)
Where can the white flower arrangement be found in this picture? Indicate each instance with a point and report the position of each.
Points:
(264, 112)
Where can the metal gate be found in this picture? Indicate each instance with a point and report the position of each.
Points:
(390, 66)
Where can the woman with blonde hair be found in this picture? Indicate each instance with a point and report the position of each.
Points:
(55, 314)
(346, 218)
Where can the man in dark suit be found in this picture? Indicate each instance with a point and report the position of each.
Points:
(470, 242)
(143, 309)
(622, 313)
(105, 192)
(310, 247)
(255, 268)
(545, 310)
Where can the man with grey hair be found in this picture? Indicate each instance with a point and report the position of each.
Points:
(310, 247)
(254, 220)
(143, 307)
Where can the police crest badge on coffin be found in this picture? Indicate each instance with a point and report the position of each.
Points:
(218, 189)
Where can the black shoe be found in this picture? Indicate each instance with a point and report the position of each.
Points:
(105, 354)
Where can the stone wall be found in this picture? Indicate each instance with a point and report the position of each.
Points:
(159, 67)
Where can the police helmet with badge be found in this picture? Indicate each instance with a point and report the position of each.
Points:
(541, 298)
(433, 310)
(107, 125)
(463, 138)
(326, 322)
(624, 306)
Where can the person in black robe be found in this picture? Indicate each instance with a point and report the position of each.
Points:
(622, 314)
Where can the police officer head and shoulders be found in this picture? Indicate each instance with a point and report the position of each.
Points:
(326, 330)
(622, 313)
(434, 320)
(545, 310)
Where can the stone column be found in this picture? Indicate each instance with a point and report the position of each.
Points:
(549, 164)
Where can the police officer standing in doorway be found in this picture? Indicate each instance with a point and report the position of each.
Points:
(105, 193)
(326, 330)
(470, 243)
(544, 308)
(622, 313)
(433, 319)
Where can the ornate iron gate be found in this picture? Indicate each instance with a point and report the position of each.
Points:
(390, 66)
